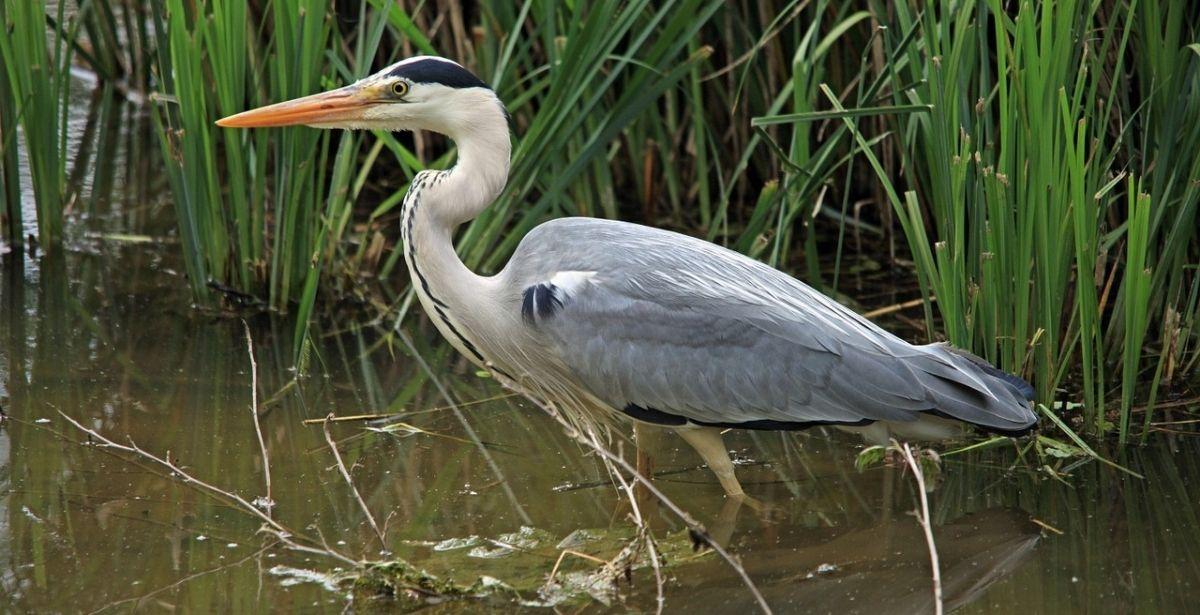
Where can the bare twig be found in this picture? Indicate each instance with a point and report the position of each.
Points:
(269, 503)
(694, 527)
(896, 307)
(660, 599)
(286, 538)
(644, 535)
(342, 419)
(346, 475)
(132, 447)
(923, 519)
(389, 415)
(563, 555)
(1046, 526)
(271, 526)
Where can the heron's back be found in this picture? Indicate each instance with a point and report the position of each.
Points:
(673, 329)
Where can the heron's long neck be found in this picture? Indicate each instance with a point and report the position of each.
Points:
(479, 175)
(439, 202)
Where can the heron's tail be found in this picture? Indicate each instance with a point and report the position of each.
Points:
(968, 388)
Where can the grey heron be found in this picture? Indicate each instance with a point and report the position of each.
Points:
(624, 320)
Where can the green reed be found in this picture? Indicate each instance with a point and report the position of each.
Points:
(119, 39)
(35, 91)
(1040, 256)
(10, 176)
(37, 52)
(255, 208)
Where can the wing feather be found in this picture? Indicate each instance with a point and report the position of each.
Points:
(678, 325)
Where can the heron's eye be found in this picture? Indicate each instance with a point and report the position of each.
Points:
(400, 89)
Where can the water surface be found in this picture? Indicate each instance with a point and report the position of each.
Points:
(103, 332)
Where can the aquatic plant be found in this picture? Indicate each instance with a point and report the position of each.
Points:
(10, 171)
(255, 210)
(34, 91)
(37, 85)
(1023, 188)
(1032, 167)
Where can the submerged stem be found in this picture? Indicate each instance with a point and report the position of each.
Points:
(923, 519)
(346, 475)
(269, 504)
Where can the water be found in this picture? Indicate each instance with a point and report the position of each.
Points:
(104, 334)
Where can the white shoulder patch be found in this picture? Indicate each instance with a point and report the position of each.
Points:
(571, 281)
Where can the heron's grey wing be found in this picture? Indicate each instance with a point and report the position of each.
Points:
(645, 357)
(656, 322)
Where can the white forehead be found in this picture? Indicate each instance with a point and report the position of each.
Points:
(418, 59)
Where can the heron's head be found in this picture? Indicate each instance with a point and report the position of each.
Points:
(421, 93)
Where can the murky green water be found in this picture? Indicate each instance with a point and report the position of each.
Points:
(104, 334)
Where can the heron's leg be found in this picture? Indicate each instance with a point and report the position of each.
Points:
(707, 441)
(722, 528)
(647, 437)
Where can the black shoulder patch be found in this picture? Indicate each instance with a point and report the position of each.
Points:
(431, 70)
(650, 415)
(540, 301)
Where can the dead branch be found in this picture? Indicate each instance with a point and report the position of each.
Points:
(392, 415)
(270, 525)
(644, 534)
(346, 475)
(923, 519)
(269, 503)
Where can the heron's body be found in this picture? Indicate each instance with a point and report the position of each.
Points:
(661, 328)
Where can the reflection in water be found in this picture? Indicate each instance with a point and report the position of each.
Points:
(104, 334)
(882, 568)
(8, 578)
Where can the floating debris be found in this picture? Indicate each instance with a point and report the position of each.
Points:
(523, 539)
(450, 544)
(823, 568)
(263, 503)
(567, 486)
(577, 539)
(32, 517)
(413, 586)
(296, 576)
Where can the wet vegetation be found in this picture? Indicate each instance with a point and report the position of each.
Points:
(1018, 178)
(1032, 166)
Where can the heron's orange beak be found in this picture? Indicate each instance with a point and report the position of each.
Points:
(335, 106)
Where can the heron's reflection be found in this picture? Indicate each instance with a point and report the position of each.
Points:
(883, 568)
